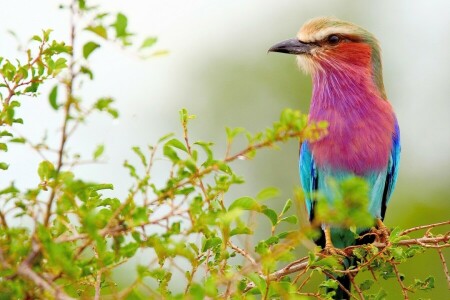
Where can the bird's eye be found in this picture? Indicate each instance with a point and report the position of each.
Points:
(333, 39)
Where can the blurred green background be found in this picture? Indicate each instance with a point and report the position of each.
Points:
(218, 68)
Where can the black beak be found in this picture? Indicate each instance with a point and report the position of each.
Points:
(292, 46)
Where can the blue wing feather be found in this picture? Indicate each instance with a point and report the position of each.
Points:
(393, 167)
(308, 176)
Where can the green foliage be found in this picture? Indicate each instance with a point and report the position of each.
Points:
(202, 240)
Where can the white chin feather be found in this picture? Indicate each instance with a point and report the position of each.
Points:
(307, 64)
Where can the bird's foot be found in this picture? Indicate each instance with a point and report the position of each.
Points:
(382, 232)
(331, 250)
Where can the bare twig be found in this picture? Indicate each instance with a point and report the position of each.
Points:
(444, 266)
(400, 281)
(24, 270)
(405, 232)
(243, 253)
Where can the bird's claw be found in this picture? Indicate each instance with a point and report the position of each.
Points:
(331, 250)
(382, 232)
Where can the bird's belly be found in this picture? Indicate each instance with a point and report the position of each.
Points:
(355, 149)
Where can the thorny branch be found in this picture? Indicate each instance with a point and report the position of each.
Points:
(438, 242)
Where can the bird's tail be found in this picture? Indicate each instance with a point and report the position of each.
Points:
(344, 287)
(341, 294)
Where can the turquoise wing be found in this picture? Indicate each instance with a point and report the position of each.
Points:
(308, 177)
(392, 171)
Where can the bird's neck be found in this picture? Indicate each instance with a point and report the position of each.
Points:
(360, 121)
(343, 89)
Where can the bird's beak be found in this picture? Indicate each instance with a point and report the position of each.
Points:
(292, 46)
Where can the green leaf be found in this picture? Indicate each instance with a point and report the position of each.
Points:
(165, 137)
(211, 243)
(330, 262)
(98, 30)
(99, 151)
(366, 284)
(5, 133)
(100, 187)
(381, 295)
(52, 97)
(287, 206)
(259, 282)
(148, 42)
(19, 140)
(330, 284)
(245, 203)
(121, 25)
(3, 147)
(267, 193)
(87, 71)
(177, 144)
(4, 166)
(291, 219)
(46, 170)
(36, 38)
(425, 285)
(240, 230)
(88, 48)
(271, 214)
(141, 155)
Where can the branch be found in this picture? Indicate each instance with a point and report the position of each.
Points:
(438, 242)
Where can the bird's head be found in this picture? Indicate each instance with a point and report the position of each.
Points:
(327, 43)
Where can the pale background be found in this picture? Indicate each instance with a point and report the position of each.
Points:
(218, 68)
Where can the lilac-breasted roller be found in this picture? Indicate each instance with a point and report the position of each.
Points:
(363, 137)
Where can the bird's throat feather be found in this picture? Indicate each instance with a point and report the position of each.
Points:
(360, 121)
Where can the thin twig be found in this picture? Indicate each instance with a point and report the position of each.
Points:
(400, 281)
(444, 266)
(243, 253)
(405, 232)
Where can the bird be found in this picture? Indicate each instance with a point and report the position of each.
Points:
(363, 138)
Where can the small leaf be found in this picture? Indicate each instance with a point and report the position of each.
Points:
(148, 42)
(271, 214)
(165, 137)
(211, 243)
(286, 207)
(99, 151)
(245, 203)
(330, 284)
(4, 166)
(3, 147)
(366, 284)
(267, 193)
(291, 219)
(121, 25)
(177, 144)
(141, 155)
(46, 170)
(98, 30)
(19, 140)
(88, 48)
(52, 97)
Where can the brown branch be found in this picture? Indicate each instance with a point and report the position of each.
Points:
(444, 266)
(67, 107)
(358, 290)
(400, 281)
(243, 253)
(302, 264)
(405, 232)
(24, 270)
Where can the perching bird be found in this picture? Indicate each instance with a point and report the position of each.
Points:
(363, 137)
